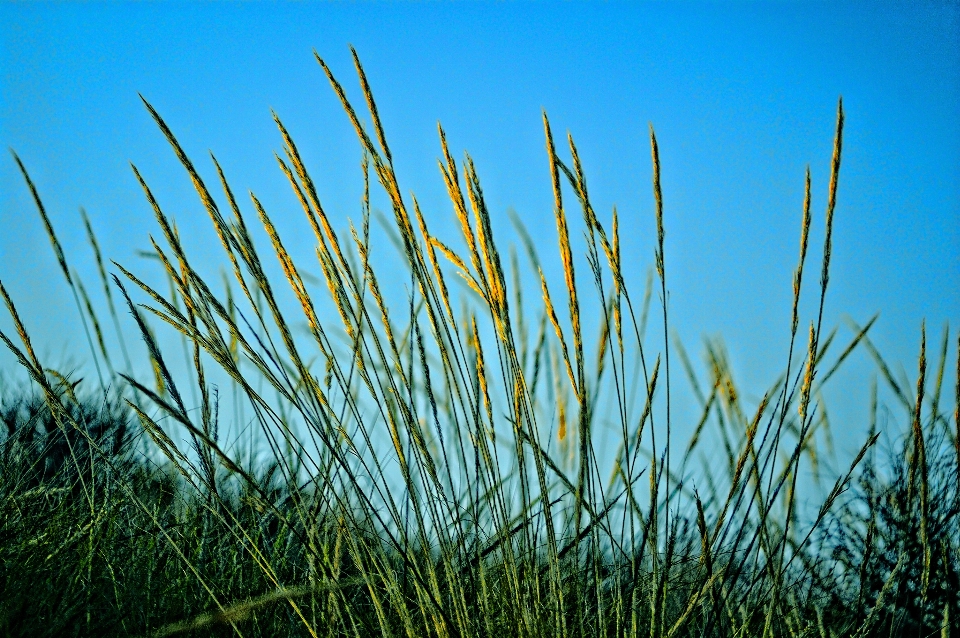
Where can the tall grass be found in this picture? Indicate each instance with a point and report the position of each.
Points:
(429, 466)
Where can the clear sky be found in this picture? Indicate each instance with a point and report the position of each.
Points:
(742, 96)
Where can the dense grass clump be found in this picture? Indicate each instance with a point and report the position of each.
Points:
(429, 465)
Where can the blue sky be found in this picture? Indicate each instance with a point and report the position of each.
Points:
(742, 95)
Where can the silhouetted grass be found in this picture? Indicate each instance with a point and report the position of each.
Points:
(430, 467)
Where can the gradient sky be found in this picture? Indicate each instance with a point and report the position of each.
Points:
(742, 96)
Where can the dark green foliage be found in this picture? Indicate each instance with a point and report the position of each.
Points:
(123, 548)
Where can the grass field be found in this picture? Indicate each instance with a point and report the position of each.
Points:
(429, 465)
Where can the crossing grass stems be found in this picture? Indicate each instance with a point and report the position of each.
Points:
(430, 468)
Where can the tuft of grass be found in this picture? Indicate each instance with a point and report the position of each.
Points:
(426, 468)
